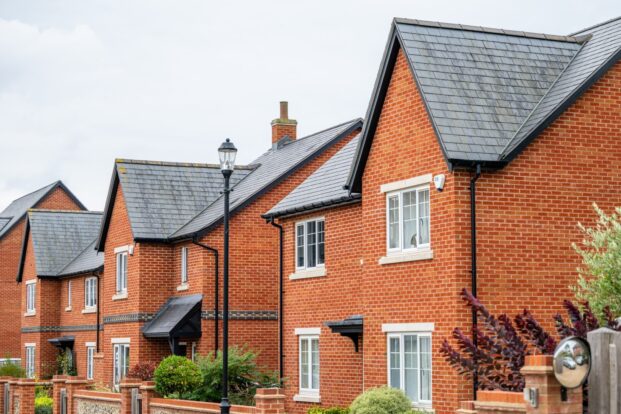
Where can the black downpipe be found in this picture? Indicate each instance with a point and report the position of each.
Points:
(473, 243)
(98, 325)
(216, 256)
(281, 305)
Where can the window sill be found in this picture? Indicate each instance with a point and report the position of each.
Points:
(307, 398)
(406, 257)
(424, 408)
(89, 310)
(120, 296)
(308, 273)
(68, 309)
(183, 286)
(30, 313)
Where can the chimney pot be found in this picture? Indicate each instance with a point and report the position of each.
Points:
(284, 110)
(283, 127)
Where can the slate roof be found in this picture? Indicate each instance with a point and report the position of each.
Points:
(19, 207)
(272, 166)
(489, 92)
(87, 261)
(59, 237)
(323, 188)
(162, 196)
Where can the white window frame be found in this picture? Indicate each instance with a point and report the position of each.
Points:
(184, 265)
(93, 293)
(90, 360)
(68, 295)
(399, 195)
(194, 351)
(121, 272)
(31, 297)
(120, 368)
(304, 224)
(314, 392)
(401, 335)
(30, 360)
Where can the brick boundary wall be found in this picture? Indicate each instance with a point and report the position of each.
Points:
(538, 373)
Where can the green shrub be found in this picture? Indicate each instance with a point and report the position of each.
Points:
(176, 376)
(43, 405)
(331, 410)
(11, 369)
(244, 377)
(382, 400)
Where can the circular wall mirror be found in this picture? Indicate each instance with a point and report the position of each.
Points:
(572, 362)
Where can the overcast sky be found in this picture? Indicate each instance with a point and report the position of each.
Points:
(83, 82)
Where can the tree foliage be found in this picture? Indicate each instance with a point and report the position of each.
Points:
(600, 274)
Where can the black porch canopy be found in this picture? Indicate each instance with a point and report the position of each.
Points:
(62, 342)
(350, 327)
(179, 317)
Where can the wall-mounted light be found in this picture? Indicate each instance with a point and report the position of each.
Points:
(438, 181)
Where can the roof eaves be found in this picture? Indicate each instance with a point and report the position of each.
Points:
(355, 124)
(561, 106)
(311, 207)
(22, 256)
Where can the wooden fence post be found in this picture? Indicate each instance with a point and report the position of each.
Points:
(605, 371)
(147, 392)
(58, 382)
(126, 386)
(3, 382)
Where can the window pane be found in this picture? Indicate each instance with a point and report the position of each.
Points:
(411, 366)
(315, 366)
(124, 271)
(393, 222)
(425, 372)
(304, 363)
(409, 219)
(311, 241)
(300, 241)
(395, 363)
(320, 242)
(423, 214)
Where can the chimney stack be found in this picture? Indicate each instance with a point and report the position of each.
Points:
(283, 126)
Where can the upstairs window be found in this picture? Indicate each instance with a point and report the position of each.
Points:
(121, 272)
(184, 265)
(310, 244)
(407, 219)
(90, 292)
(31, 291)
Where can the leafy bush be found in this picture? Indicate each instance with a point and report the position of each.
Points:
(176, 376)
(43, 405)
(600, 274)
(11, 369)
(381, 400)
(502, 347)
(244, 377)
(64, 363)
(143, 371)
(331, 410)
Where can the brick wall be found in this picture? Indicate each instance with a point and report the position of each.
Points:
(10, 250)
(309, 303)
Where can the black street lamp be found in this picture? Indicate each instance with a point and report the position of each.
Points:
(227, 153)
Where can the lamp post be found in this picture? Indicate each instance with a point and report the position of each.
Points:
(227, 153)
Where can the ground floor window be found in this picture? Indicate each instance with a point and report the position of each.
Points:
(409, 365)
(309, 365)
(121, 362)
(30, 361)
(90, 353)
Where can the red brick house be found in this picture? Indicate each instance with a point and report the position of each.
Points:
(481, 151)
(161, 236)
(12, 223)
(58, 274)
